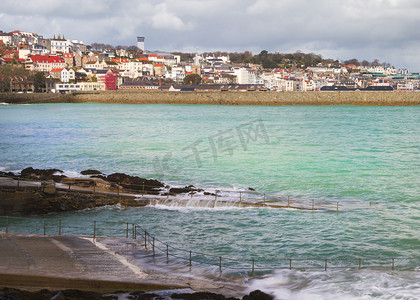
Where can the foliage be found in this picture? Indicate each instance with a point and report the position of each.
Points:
(39, 81)
(192, 79)
(8, 71)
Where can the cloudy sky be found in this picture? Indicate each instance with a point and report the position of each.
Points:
(387, 30)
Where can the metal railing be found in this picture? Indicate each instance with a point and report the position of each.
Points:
(95, 229)
(162, 195)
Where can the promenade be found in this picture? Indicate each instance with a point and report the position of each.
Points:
(70, 262)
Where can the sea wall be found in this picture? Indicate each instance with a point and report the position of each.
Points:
(32, 200)
(388, 98)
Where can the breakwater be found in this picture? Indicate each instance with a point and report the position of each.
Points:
(371, 98)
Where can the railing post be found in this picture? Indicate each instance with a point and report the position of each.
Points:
(135, 231)
(190, 259)
(240, 197)
(393, 266)
(290, 264)
(191, 194)
(360, 263)
(167, 252)
(59, 226)
(94, 188)
(253, 265)
(143, 189)
(94, 229)
(69, 185)
(7, 224)
(215, 197)
(264, 199)
(337, 206)
(18, 183)
(220, 264)
(45, 228)
(126, 233)
(325, 264)
(313, 204)
(153, 245)
(288, 201)
(145, 239)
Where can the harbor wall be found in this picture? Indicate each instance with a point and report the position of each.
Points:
(385, 98)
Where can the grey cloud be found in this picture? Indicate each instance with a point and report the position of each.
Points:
(383, 29)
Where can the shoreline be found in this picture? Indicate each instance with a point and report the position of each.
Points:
(358, 98)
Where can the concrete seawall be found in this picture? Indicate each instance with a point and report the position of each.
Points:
(372, 98)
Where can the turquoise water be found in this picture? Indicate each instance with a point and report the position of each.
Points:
(352, 155)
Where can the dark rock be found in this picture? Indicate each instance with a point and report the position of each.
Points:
(144, 296)
(136, 183)
(187, 189)
(209, 194)
(257, 295)
(251, 189)
(15, 294)
(8, 174)
(46, 174)
(91, 172)
(201, 296)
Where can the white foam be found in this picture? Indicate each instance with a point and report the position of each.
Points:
(340, 284)
(4, 103)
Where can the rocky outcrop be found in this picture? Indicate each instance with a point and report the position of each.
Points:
(186, 189)
(42, 174)
(91, 172)
(136, 183)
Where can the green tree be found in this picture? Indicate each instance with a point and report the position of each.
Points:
(192, 79)
(39, 81)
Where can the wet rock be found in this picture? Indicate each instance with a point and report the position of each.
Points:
(209, 194)
(41, 174)
(144, 296)
(201, 296)
(187, 189)
(251, 189)
(8, 174)
(91, 172)
(257, 295)
(136, 183)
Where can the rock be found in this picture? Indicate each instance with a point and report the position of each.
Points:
(187, 189)
(257, 295)
(91, 172)
(201, 296)
(136, 183)
(251, 189)
(144, 296)
(46, 174)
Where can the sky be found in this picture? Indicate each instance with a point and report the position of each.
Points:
(387, 30)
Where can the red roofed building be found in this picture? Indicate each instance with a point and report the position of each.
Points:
(45, 63)
(68, 59)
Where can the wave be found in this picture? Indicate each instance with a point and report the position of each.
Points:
(339, 284)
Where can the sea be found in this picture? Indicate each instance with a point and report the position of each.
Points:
(363, 160)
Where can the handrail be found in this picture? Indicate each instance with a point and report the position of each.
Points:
(152, 243)
(244, 197)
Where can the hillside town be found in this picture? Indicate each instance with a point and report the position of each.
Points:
(31, 63)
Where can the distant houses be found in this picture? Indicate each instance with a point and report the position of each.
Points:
(72, 65)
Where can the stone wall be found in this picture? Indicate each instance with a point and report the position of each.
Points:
(30, 201)
(389, 98)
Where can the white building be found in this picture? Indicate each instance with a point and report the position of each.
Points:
(6, 38)
(177, 74)
(245, 76)
(67, 75)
